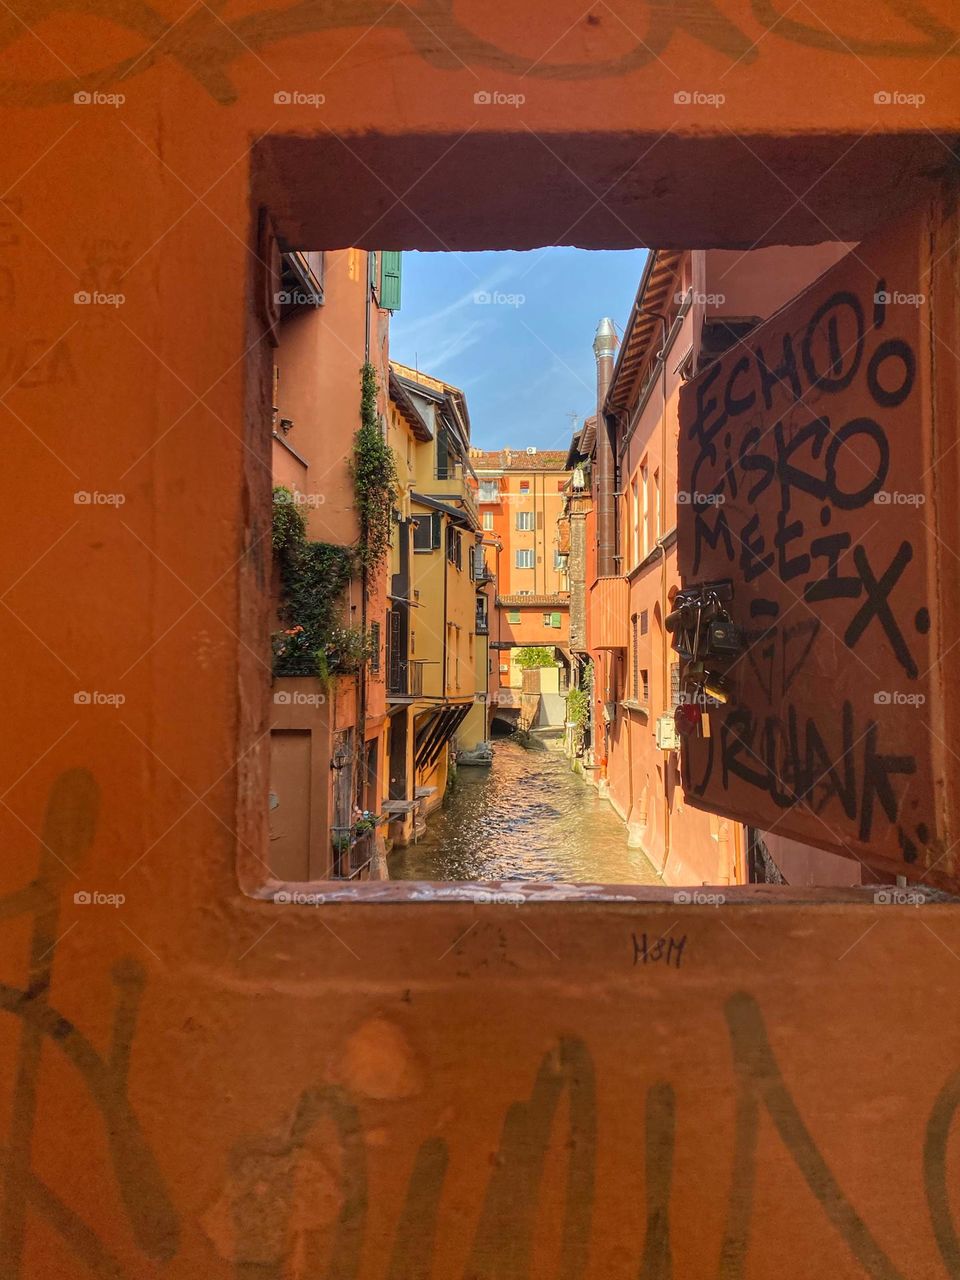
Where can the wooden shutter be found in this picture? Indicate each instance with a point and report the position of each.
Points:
(395, 654)
(390, 267)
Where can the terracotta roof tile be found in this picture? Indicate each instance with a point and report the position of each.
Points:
(519, 460)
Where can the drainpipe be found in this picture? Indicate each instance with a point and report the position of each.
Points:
(446, 626)
(604, 347)
(360, 757)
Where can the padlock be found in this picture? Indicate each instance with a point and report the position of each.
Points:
(723, 638)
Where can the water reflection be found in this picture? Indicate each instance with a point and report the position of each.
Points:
(525, 817)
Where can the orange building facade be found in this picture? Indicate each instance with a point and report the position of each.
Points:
(521, 498)
(327, 736)
(690, 307)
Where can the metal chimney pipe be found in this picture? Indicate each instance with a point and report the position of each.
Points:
(604, 348)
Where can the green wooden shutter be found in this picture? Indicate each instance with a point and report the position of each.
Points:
(390, 279)
(555, 620)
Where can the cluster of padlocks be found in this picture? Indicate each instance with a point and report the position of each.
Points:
(706, 638)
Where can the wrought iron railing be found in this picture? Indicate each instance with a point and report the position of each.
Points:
(405, 678)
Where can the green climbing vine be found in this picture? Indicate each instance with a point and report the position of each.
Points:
(578, 707)
(374, 472)
(534, 656)
(313, 578)
(314, 575)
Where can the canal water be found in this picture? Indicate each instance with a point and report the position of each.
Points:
(526, 816)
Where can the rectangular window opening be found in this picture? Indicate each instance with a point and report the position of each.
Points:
(392, 679)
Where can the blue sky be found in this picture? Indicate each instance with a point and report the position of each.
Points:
(524, 356)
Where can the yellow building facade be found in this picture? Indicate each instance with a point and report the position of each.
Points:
(437, 619)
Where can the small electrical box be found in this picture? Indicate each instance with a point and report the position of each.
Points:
(667, 737)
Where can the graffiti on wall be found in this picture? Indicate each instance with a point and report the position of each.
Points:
(801, 449)
(68, 830)
(206, 41)
(297, 1199)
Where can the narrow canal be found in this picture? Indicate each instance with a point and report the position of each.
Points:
(526, 816)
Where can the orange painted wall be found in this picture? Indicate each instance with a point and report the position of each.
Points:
(260, 1087)
(687, 845)
(865, 627)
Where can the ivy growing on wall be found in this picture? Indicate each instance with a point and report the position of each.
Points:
(374, 473)
(578, 707)
(533, 656)
(313, 577)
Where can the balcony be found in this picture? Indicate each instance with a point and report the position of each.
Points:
(452, 482)
(608, 614)
(404, 679)
(481, 570)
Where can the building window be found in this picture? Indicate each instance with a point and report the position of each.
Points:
(489, 491)
(487, 521)
(645, 686)
(524, 486)
(675, 684)
(525, 521)
(513, 617)
(645, 513)
(635, 632)
(644, 622)
(635, 522)
(374, 646)
(455, 546)
(426, 532)
(524, 560)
